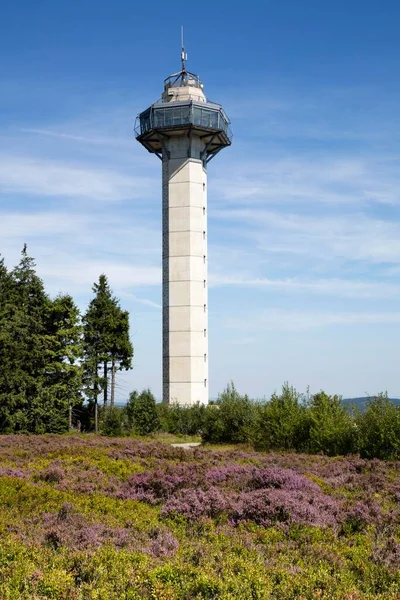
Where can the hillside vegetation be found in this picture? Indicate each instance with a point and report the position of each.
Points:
(90, 517)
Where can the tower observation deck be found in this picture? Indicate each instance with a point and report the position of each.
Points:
(185, 131)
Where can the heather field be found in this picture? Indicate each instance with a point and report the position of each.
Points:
(86, 517)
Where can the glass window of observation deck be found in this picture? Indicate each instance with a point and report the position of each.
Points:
(145, 122)
(171, 116)
(181, 115)
(205, 117)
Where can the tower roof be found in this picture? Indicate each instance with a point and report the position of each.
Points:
(184, 78)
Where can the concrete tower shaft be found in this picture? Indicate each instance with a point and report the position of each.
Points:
(185, 131)
(185, 329)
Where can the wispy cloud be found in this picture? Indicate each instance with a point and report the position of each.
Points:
(122, 276)
(352, 236)
(276, 319)
(85, 139)
(331, 287)
(53, 178)
(313, 180)
(38, 224)
(139, 300)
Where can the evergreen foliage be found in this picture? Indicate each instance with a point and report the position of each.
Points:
(64, 349)
(107, 346)
(46, 364)
(23, 346)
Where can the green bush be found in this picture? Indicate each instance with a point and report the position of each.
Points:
(332, 429)
(379, 429)
(232, 419)
(141, 413)
(283, 422)
(181, 420)
(111, 421)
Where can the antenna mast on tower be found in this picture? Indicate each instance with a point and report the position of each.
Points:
(183, 53)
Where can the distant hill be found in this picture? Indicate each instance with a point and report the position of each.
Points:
(362, 402)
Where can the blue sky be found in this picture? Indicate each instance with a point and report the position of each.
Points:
(304, 208)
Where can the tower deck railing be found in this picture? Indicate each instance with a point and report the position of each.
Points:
(183, 114)
(183, 78)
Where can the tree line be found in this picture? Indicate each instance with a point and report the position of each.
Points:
(288, 421)
(57, 366)
(53, 363)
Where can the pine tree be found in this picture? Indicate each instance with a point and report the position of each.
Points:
(96, 326)
(5, 286)
(22, 348)
(107, 347)
(5, 307)
(64, 349)
(121, 350)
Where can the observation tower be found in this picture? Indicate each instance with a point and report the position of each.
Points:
(185, 131)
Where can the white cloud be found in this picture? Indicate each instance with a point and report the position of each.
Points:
(38, 224)
(144, 301)
(121, 276)
(43, 177)
(85, 139)
(72, 249)
(276, 319)
(353, 236)
(331, 287)
(315, 179)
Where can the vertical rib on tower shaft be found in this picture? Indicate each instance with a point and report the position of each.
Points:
(185, 336)
(185, 131)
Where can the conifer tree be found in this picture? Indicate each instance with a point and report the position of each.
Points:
(121, 350)
(107, 346)
(5, 285)
(64, 349)
(40, 343)
(22, 348)
(5, 299)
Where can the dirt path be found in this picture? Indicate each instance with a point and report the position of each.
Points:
(186, 445)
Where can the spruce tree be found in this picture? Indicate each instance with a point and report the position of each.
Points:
(40, 344)
(5, 287)
(107, 346)
(64, 349)
(5, 300)
(121, 349)
(23, 348)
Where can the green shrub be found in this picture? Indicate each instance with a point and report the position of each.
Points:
(112, 421)
(232, 419)
(183, 420)
(141, 413)
(379, 429)
(332, 428)
(283, 423)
